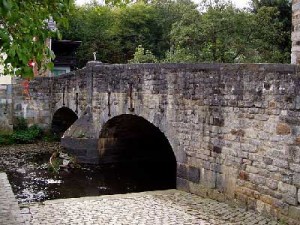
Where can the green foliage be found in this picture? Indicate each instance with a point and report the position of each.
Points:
(177, 31)
(27, 136)
(20, 124)
(143, 56)
(24, 31)
(6, 139)
(93, 26)
(180, 55)
(22, 134)
(49, 137)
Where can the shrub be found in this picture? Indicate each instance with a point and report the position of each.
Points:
(50, 137)
(28, 135)
(6, 139)
(20, 123)
(143, 56)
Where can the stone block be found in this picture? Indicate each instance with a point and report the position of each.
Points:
(263, 207)
(267, 160)
(296, 180)
(281, 163)
(272, 184)
(194, 174)
(252, 169)
(182, 171)
(220, 179)
(289, 193)
(182, 184)
(257, 179)
(198, 190)
(294, 153)
(283, 129)
(208, 178)
(294, 212)
(295, 167)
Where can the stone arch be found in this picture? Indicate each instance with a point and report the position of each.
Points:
(132, 140)
(62, 119)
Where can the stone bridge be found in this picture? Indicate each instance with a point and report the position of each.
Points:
(233, 130)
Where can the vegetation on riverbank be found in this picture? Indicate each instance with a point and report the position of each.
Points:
(25, 134)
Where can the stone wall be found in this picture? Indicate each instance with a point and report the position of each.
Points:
(295, 56)
(6, 106)
(234, 128)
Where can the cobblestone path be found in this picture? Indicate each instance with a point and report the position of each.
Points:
(153, 208)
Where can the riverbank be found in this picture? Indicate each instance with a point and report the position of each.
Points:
(15, 156)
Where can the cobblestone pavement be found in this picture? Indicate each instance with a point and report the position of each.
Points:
(153, 208)
(9, 210)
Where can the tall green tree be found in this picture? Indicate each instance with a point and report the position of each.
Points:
(220, 34)
(137, 25)
(24, 30)
(282, 15)
(223, 33)
(168, 13)
(92, 24)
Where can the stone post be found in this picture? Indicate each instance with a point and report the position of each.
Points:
(295, 56)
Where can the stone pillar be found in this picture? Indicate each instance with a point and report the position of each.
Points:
(295, 56)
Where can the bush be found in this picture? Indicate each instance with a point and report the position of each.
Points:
(22, 134)
(50, 137)
(6, 139)
(143, 56)
(27, 136)
(20, 124)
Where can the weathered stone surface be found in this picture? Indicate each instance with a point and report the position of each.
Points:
(294, 212)
(9, 210)
(272, 184)
(296, 180)
(283, 129)
(194, 174)
(289, 193)
(183, 185)
(229, 125)
(182, 171)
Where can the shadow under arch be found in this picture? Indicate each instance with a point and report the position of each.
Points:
(141, 150)
(62, 119)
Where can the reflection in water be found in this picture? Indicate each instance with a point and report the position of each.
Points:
(33, 181)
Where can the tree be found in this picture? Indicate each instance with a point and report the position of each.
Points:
(24, 31)
(223, 33)
(219, 34)
(168, 13)
(283, 16)
(269, 35)
(136, 25)
(93, 25)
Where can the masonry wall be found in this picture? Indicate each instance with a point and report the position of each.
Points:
(6, 105)
(234, 128)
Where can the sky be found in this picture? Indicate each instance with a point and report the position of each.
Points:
(238, 3)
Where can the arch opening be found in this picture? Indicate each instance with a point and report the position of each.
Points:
(62, 119)
(140, 151)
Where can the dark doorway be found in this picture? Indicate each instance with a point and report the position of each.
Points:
(63, 118)
(139, 152)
